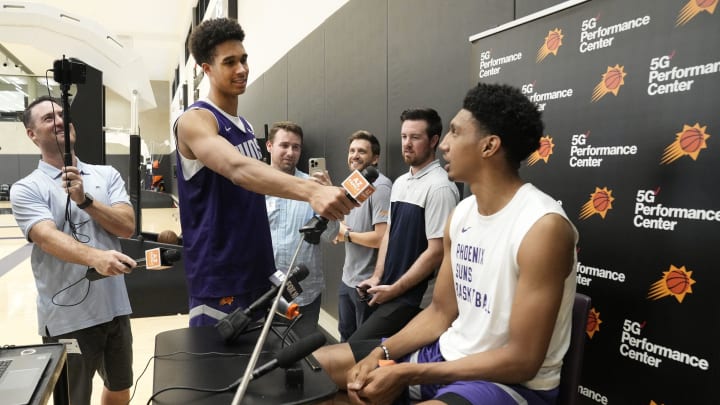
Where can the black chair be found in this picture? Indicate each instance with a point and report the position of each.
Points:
(572, 362)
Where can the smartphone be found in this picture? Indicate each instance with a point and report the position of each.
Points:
(316, 165)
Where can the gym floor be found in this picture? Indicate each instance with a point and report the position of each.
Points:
(18, 318)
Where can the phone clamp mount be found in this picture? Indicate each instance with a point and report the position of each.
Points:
(67, 72)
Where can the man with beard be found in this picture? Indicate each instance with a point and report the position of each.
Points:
(362, 232)
(412, 247)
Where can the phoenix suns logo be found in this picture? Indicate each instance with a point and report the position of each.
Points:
(688, 142)
(553, 42)
(543, 152)
(676, 282)
(593, 323)
(599, 203)
(612, 80)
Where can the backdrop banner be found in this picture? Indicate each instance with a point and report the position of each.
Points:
(629, 94)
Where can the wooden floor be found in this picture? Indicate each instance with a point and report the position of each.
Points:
(18, 319)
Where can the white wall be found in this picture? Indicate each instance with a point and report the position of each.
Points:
(273, 27)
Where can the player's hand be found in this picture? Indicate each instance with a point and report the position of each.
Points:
(377, 385)
(331, 203)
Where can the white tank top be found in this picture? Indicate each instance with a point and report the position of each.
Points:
(485, 272)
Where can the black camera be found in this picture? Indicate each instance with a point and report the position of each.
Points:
(68, 71)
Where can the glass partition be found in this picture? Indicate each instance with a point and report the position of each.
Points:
(17, 91)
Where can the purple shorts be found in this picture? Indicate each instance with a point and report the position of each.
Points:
(474, 392)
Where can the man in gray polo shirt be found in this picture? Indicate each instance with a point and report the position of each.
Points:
(362, 233)
(74, 215)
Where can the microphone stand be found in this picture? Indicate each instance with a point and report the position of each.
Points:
(311, 235)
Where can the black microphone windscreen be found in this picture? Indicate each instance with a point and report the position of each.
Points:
(299, 273)
(370, 173)
(290, 354)
(171, 255)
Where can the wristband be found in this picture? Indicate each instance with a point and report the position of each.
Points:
(347, 236)
(386, 351)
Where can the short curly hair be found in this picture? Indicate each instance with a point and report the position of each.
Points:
(206, 36)
(505, 111)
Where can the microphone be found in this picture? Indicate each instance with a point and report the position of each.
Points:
(299, 273)
(358, 185)
(358, 188)
(234, 323)
(155, 259)
(286, 308)
(290, 354)
(292, 289)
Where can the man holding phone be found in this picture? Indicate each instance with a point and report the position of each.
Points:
(286, 217)
(362, 232)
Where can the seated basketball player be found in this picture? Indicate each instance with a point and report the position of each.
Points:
(499, 323)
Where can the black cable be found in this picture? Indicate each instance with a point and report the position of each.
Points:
(180, 387)
(71, 285)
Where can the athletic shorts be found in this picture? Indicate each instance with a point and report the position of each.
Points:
(106, 349)
(477, 392)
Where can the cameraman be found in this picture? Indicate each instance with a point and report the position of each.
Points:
(68, 238)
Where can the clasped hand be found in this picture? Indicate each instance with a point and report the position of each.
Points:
(369, 384)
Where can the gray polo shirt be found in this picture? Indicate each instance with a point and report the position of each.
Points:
(39, 197)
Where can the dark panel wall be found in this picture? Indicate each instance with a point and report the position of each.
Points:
(15, 167)
(428, 67)
(306, 94)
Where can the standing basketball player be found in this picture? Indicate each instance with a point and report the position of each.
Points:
(221, 182)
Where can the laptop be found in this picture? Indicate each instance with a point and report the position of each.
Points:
(19, 377)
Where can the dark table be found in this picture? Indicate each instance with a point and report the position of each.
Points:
(54, 379)
(216, 371)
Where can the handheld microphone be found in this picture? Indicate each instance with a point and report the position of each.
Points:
(290, 354)
(358, 185)
(155, 259)
(358, 188)
(234, 324)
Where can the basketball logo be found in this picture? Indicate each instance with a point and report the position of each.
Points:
(689, 142)
(593, 323)
(612, 80)
(545, 147)
(676, 282)
(553, 42)
(543, 152)
(600, 202)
